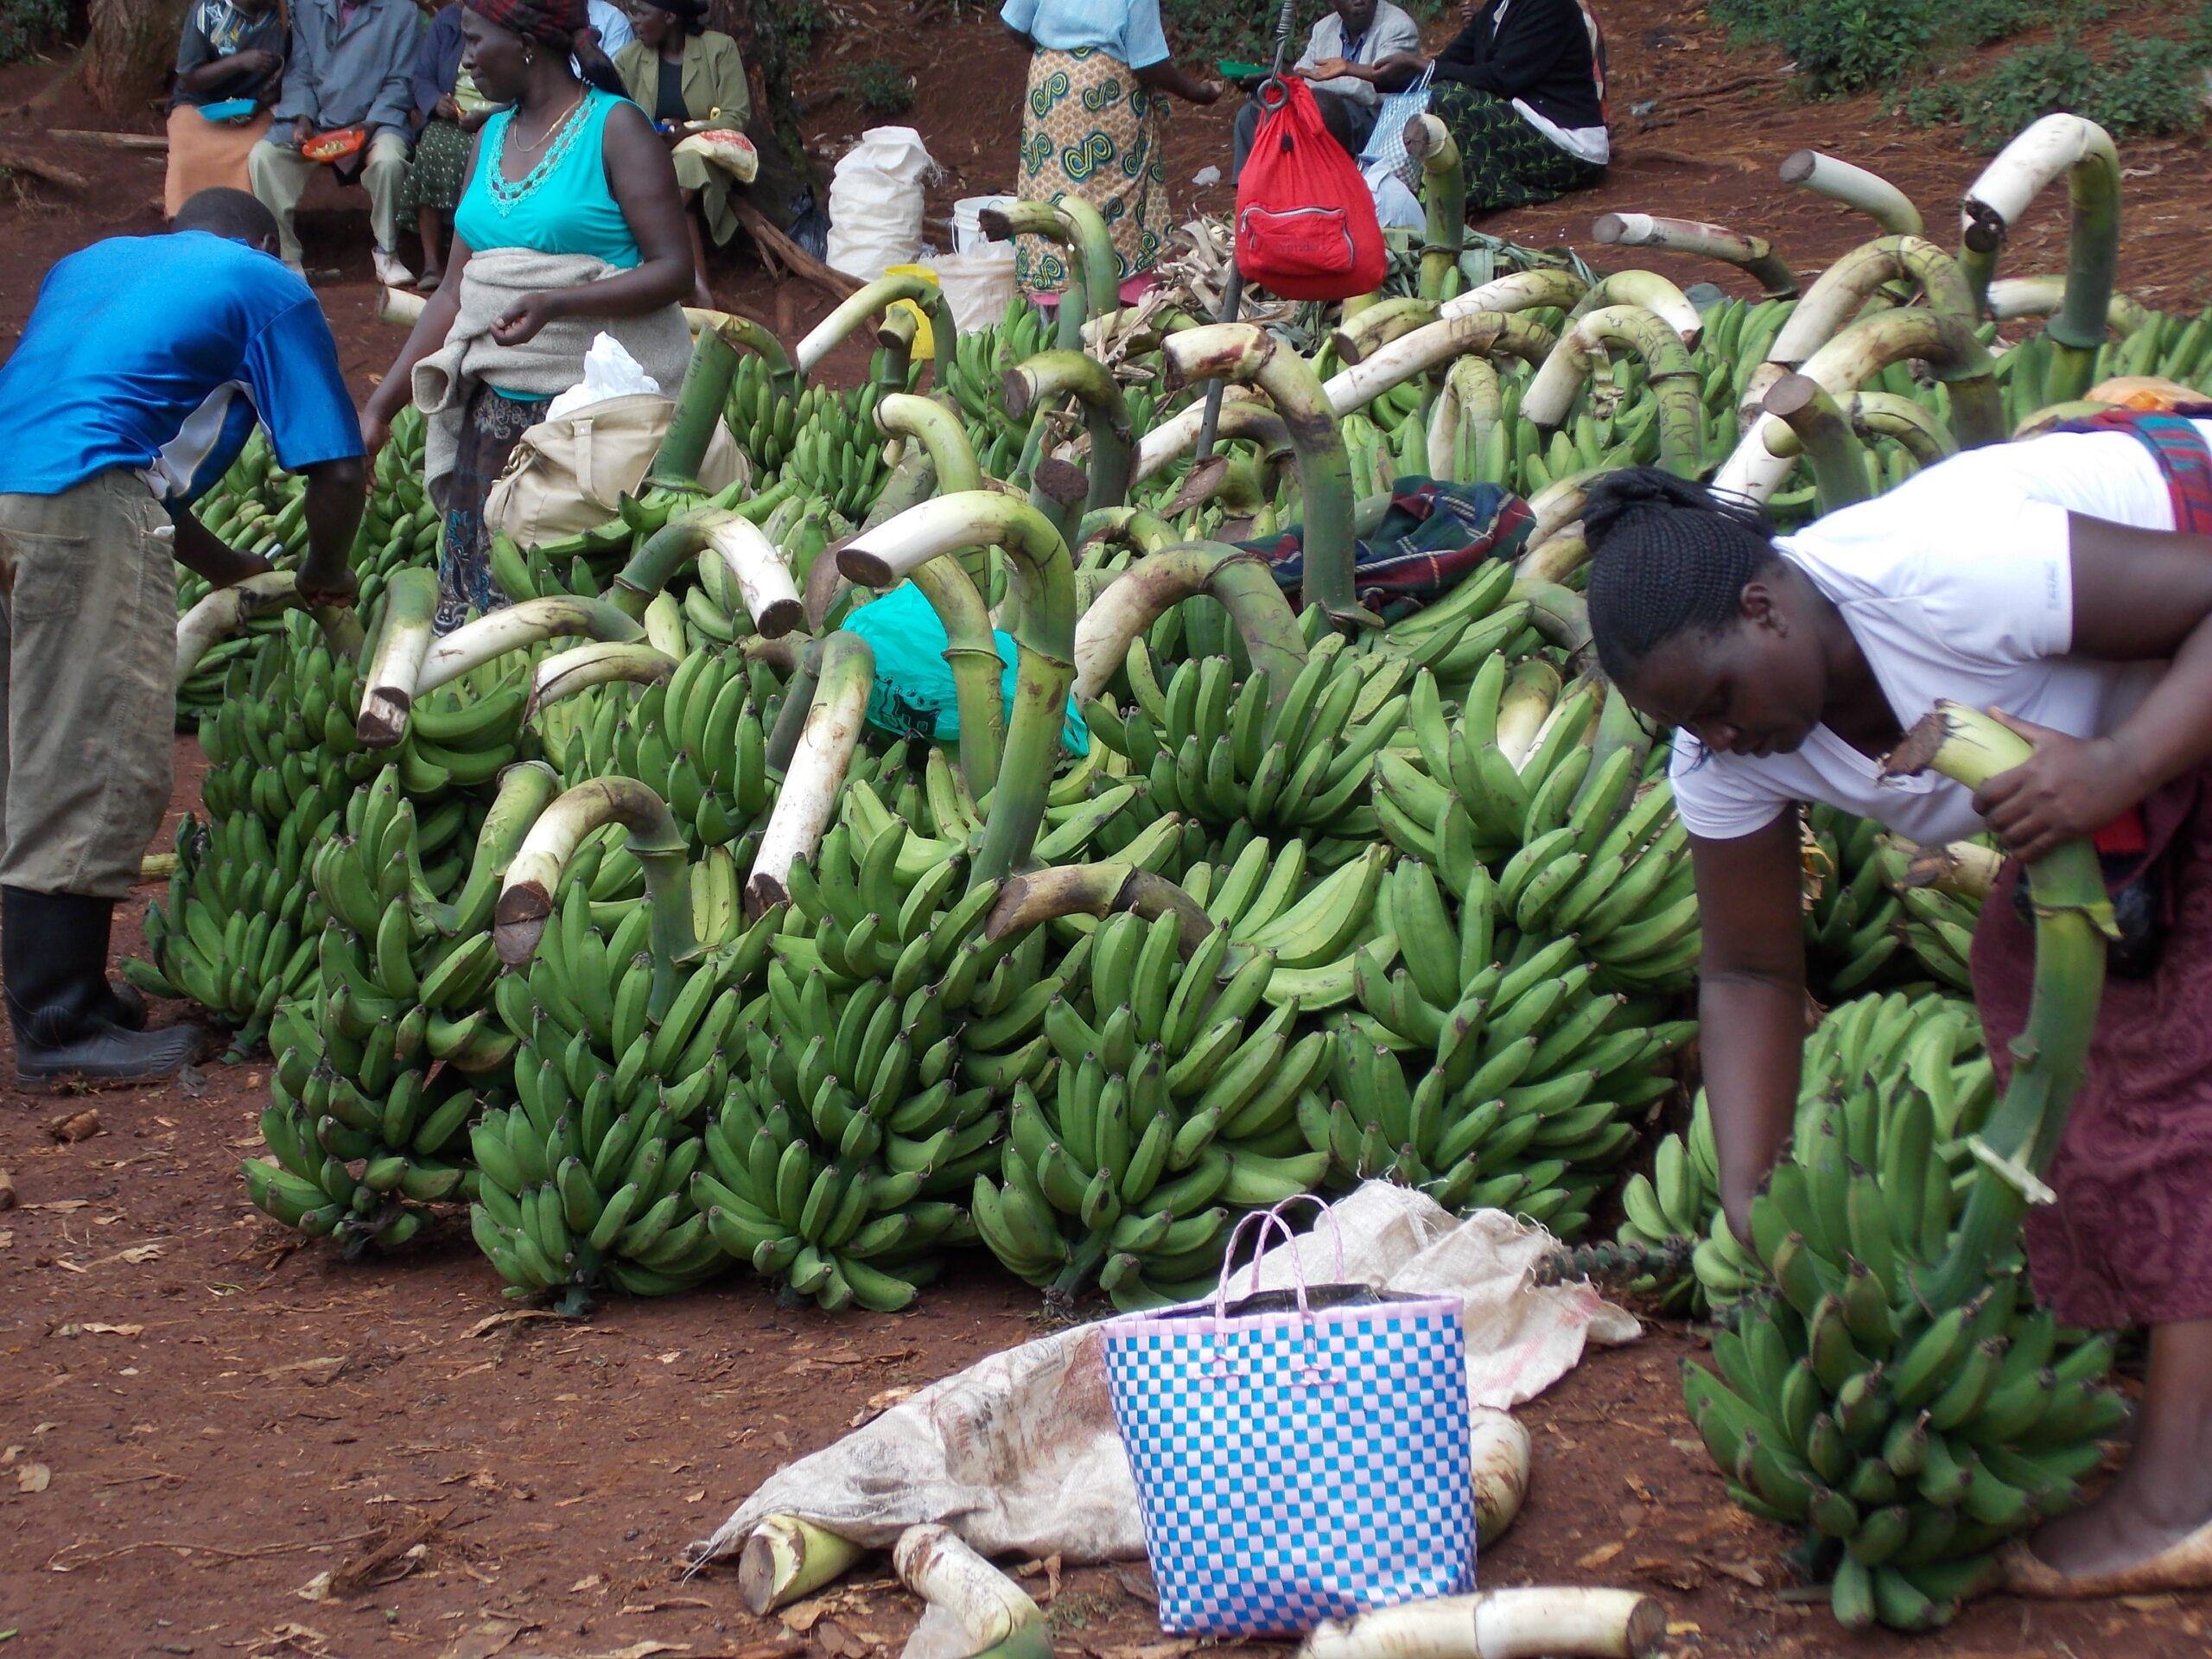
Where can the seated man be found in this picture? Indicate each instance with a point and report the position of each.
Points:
(349, 68)
(1358, 50)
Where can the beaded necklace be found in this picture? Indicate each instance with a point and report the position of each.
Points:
(507, 196)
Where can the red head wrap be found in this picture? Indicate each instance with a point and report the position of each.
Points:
(553, 22)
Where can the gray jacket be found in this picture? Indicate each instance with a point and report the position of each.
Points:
(345, 77)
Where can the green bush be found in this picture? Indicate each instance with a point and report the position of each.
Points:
(1847, 46)
(26, 25)
(2138, 87)
(880, 87)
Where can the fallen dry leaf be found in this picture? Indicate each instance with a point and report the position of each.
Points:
(1599, 1556)
(115, 1329)
(315, 1589)
(839, 1643)
(1744, 1572)
(591, 1583)
(804, 1616)
(7, 1190)
(483, 1640)
(515, 1316)
(1684, 1627)
(63, 1204)
(312, 1372)
(77, 1126)
(33, 1478)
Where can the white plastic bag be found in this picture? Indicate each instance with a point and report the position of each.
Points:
(976, 284)
(875, 202)
(609, 372)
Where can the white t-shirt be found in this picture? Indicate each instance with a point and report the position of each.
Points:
(1957, 584)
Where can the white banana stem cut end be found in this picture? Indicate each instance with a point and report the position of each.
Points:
(1529, 1624)
(786, 1559)
(763, 576)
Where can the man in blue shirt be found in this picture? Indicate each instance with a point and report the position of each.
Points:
(145, 364)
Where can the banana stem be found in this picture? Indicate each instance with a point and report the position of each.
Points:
(1245, 352)
(1094, 890)
(1035, 385)
(1244, 418)
(1519, 290)
(990, 1608)
(1055, 224)
(1841, 291)
(1044, 637)
(786, 1559)
(657, 558)
(1134, 600)
(2073, 919)
(699, 404)
(938, 431)
(526, 899)
(1966, 867)
(1468, 334)
(1754, 470)
(1381, 323)
(571, 671)
(526, 789)
(1832, 448)
(816, 772)
(521, 626)
(784, 378)
(1855, 188)
(1473, 397)
(895, 337)
(798, 700)
(1886, 415)
(1752, 255)
(1648, 289)
(1134, 528)
(227, 611)
(2011, 298)
(1501, 1625)
(404, 636)
(1675, 379)
(764, 580)
(2024, 168)
(1443, 197)
(854, 310)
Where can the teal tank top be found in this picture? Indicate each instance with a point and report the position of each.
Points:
(562, 207)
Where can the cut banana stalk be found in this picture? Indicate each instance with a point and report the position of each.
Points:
(1503, 1624)
(786, 1559)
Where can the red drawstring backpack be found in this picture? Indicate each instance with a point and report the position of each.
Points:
(1306, 225)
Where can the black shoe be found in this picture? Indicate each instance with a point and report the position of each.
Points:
(68, 1020)
(110, 1055)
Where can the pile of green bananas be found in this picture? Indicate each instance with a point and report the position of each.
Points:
(1911, 1441)
(973, 376)
(836, 451)
(586, 1180)
(1545, 788)
(1939, 927)
(1854, 921)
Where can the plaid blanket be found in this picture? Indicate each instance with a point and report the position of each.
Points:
(1430, 538)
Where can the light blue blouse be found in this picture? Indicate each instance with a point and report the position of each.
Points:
(1127, 29)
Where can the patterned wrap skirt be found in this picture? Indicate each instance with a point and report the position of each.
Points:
(1090, 129)
(2130, 1240)
(489, 432)
(1508, 163)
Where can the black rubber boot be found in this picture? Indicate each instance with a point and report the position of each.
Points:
(68, 1020)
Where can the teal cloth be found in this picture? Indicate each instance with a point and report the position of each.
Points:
(913, 686)
(572, 210)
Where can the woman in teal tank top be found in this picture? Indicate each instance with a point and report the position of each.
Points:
(570, 170)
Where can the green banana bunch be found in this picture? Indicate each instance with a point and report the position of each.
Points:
(1912, 1442)
(1542, 787)
(1939, 927)
(1165, 1093)
(1854, 921)
(836, 453)
(586, 1179)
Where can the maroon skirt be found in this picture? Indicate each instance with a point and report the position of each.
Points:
(2130, 1240)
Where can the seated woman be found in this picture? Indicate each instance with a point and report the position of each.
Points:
(448, 110)
(677, 72)
(569, 224)
(232, 52)
(1523, 88)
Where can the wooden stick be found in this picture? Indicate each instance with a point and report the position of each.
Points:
(111, 140)
(802, 262)
(16, 162)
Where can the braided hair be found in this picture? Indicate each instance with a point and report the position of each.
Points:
(1666, 555)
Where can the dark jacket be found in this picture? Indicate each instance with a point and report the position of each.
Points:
(213, 31)
(437, 61)
(1537, 51)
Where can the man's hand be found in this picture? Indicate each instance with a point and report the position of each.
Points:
(2070, 787)
(303, 130)
(1207, 92)
(336, 585)
(447, 110)
(525, 317)
(1331, 69)
(254, 60)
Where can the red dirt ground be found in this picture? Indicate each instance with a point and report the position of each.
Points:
(553, 1472)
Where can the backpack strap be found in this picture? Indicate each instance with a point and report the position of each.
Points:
(2184, 460)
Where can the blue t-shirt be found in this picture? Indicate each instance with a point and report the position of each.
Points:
(157, 354)
(1126, 30)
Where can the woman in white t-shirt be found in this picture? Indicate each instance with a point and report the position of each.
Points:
(2044, 579)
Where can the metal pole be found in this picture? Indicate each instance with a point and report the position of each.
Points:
(1232, 293)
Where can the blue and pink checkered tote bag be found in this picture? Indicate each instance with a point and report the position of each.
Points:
(1297, 1457)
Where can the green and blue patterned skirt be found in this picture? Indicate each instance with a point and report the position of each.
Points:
(1090, 129)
